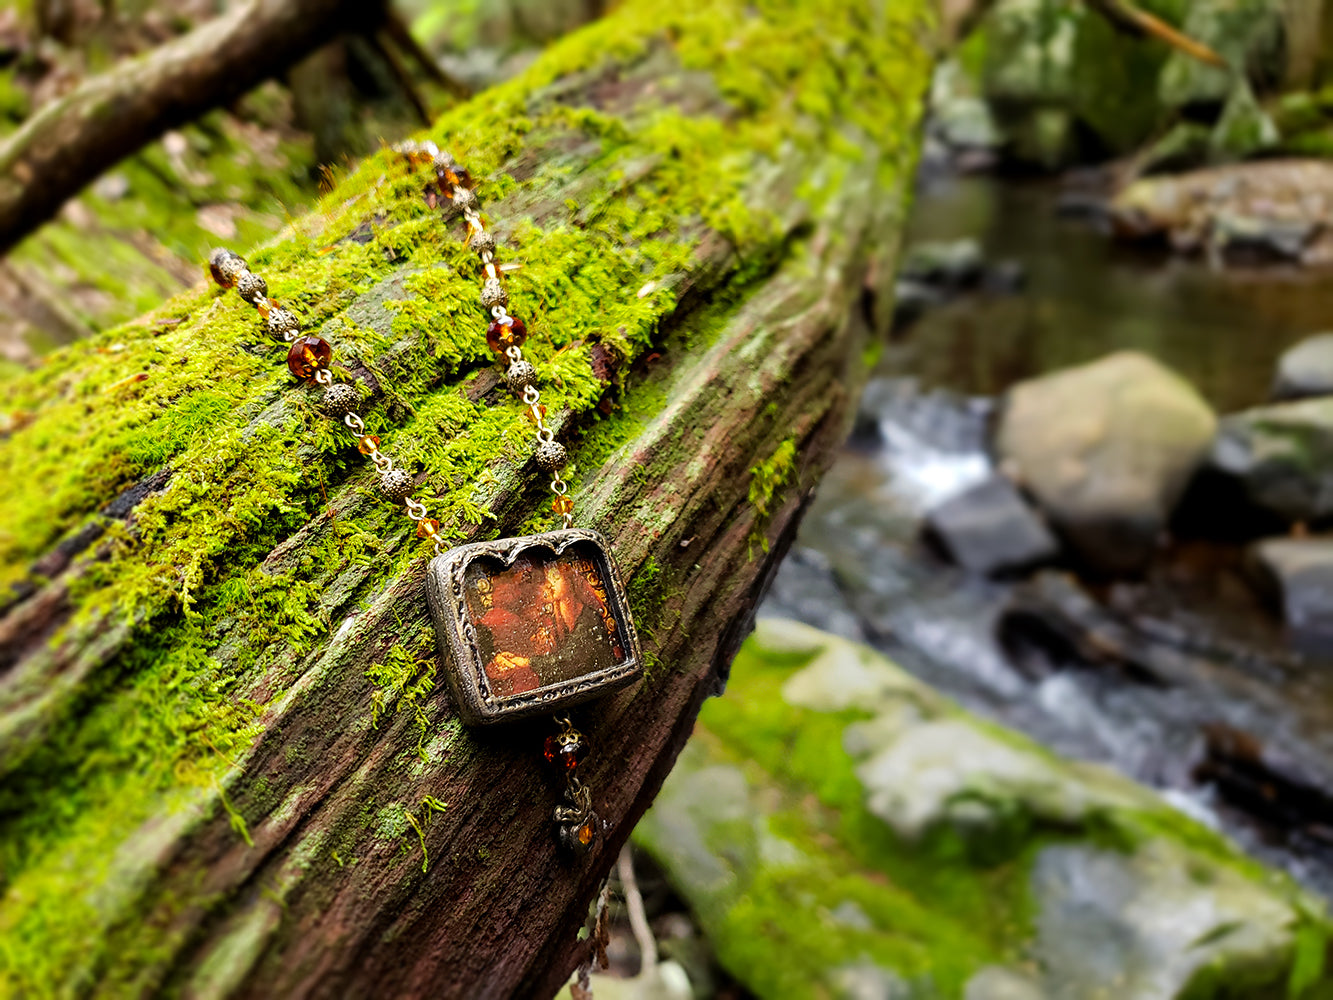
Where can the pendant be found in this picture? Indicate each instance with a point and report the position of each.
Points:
(530, 626)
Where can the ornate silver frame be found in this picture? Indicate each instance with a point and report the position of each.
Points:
(457, 635)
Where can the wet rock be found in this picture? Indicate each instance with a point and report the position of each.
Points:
(1305, 369)
(841, 829)
(1281, 457)
(947, 264)
(1300, 573)
(1279, 208)
(990, 529)
(1145, 923)
(1106, 449)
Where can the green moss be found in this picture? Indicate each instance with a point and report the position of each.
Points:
(811, 881)
(269, 528)
(767, 478)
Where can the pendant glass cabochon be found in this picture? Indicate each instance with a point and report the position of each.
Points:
(531, 625)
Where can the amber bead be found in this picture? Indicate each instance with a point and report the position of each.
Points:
(503, 335)
(458, 175)
(368, 445)
(563, 505)
(426, 528)
(308, 355)
(586, 833)
(565, 750)
(541, 412)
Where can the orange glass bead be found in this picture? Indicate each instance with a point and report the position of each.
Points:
(426, 528)
(541, 411)
(563, 505)
(266, 306)
(565, 750)
(308, 355)
(368, 445)
(504, 334)
(458, 175)
(586, 833)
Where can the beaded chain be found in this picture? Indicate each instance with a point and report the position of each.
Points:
(308, 359)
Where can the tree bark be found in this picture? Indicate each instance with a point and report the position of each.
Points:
(223, 750)
(74, 138)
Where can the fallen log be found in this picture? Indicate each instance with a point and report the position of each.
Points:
(71, 140)
(227, 765)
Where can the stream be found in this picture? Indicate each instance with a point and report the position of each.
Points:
(1184, 680)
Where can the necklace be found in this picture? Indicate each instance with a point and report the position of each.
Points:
(526, 626)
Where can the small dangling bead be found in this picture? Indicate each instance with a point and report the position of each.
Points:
(562, 505)
(427, 528)
(539, 415)
(565, 749)
(308, 355)
(368, 444)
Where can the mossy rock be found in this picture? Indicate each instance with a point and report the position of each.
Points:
(836, 825)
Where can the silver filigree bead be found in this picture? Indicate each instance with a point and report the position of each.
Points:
(482, 242)
(226, 266)
(519, 375)
(493, 293)
(339, 400)
(550, 455)
(396, 485)
(252, 287)
(283, 324)
(463, 199)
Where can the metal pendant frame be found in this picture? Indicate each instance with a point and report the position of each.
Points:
(465, 664)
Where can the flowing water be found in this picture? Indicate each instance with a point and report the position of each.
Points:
(1201, 694)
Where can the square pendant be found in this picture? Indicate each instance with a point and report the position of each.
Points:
(528, 626)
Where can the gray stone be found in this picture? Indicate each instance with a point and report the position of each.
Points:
(1305, 369)
(990, 529)
(1281, 457)
(948, 264)
(796, 810)
(1300, 572)
(995, 982)
(1144, 924)
(1106, 449)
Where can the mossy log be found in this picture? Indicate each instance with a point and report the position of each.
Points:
(227, 766)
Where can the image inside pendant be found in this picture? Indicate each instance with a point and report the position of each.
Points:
(532, 625)
(544, 619)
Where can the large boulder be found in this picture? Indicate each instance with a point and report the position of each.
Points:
(1106, 449)
(1281, 457)
(842, 830)
(1305, 369)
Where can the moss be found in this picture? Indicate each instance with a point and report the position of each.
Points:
(933, 910)
(767, 478)
(269, 528)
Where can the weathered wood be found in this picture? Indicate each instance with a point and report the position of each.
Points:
(73, 139)
(221, 738)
